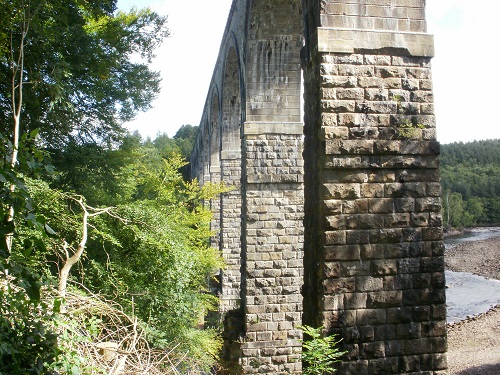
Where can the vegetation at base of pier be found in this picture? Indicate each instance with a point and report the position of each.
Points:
(146, 251)
(470, 180)
(102, 241)
(320, 353)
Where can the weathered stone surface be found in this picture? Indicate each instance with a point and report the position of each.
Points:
(341, 228)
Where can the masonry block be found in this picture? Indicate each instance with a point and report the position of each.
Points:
(341, 227)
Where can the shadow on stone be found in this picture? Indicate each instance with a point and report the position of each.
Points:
(234, 331)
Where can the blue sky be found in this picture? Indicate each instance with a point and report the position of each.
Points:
(465, 69)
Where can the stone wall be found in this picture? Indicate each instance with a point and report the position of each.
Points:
(273, 249)
(372, 220)
(349, 235)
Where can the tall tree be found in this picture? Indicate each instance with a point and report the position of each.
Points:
(75, 69)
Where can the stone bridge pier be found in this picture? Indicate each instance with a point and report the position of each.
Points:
(333, 221)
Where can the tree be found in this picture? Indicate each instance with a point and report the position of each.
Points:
(75, 69)
(187, 131)
(185, 138)
(97, 172)
(150, 253)
(165, 145)
(70, 71)
(67, 70)
(475, 209)
(453, 206)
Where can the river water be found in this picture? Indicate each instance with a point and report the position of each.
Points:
(468, 294)
(476, 234)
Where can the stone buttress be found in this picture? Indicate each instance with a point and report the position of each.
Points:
(334, 221)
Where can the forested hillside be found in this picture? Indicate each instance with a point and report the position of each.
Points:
(470, 178)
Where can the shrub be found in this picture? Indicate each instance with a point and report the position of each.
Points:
(319, 353)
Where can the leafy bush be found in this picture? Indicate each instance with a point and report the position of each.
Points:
(319, 354)
(150, 254)
(28, 345)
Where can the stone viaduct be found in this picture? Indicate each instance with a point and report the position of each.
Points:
(335, 220)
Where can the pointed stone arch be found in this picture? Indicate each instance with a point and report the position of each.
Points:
(360, 253)
(231, 173)
(215, 166)
(273, 73)
(231, 104)
(205, 151)
(215, 136)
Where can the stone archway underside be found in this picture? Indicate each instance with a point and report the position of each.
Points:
(333, 222)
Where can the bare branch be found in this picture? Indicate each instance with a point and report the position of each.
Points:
(124, 337)
(65, 248)
(70, 261)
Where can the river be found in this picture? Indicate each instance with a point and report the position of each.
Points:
(475, 234)
(468, 294)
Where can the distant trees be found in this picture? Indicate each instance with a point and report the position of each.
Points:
(103, 174)
(182, 142)
(484, 152)
(470, 178)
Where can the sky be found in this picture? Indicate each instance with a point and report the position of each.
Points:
(465, 67)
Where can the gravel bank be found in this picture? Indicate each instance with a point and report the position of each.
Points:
(474, 344)
(478, 257)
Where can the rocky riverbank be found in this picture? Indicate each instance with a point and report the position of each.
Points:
(474, 344)
(477, 257)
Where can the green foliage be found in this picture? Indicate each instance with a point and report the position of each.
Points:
(78, 70)
(98, 172)
(319, 353)
(108, 175)
(182, 144)
(162, 256)
(84, 67)
(151, 254)
(76, 330)
(453, 209)
(185, 138)
(408, 130)
(470, 178)
(27, 342)
(472, 153)
(405, 121)
(13, 192)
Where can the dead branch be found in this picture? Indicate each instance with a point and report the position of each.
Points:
(70, 261)
(119, 346)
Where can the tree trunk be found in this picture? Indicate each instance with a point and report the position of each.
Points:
(17, 69)
(72, 260)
